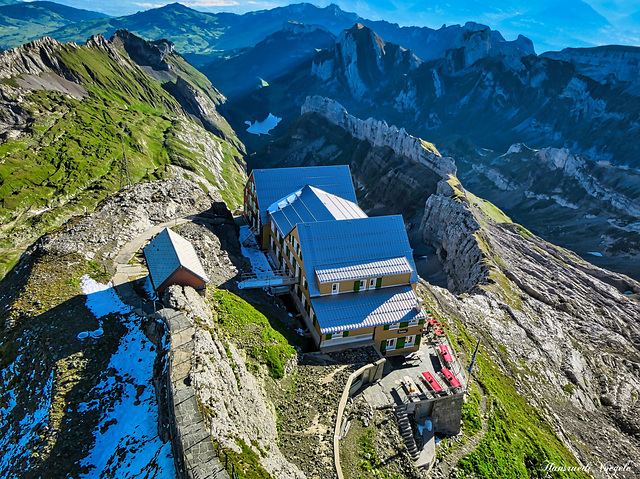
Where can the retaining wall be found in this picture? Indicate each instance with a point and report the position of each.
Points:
(193, 449)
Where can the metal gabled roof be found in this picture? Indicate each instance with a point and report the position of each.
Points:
(340, 244)
(167, 252)
(371, 269)
(276, 183)
(311, 204)
(364, 309)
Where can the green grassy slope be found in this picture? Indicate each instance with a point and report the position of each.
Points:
(25, 21)
(70, 156)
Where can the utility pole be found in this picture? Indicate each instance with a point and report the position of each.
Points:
(473, 358)
(125, 176)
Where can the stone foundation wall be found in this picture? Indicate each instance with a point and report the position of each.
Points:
(193, 449)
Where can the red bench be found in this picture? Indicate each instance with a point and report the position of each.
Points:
(444, 349)
(451, 378)
(431, 381)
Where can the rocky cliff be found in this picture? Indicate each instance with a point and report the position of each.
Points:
(379, 134)
(612, 64)
(565, 198)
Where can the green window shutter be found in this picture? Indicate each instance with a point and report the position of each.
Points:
(404, 324)
(386, 327)
(421, 321)
(378, 283)
(328, 336)
(400, 343)
(307, 308)
(417, 340)
(315, 321)
(294, 263)
(345, 334)
(356, 285)
(300, 294)
(383, 345)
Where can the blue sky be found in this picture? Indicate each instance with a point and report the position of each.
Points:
(549, 23)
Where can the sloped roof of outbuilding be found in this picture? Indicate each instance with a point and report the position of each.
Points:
(311, 204)
(167, 252)
(276, 183)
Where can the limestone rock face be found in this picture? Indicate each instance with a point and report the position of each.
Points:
(449, 226)
(573, 328)
(234, 404)
(187, 300)
(145, 53)
(378, 133)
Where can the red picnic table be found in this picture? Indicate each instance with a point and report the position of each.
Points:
(445, 353)
(431, 381)
(439, 332)
(451, 378)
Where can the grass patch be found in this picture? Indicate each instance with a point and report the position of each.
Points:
(253, 331)
(519, 442)
(245, 464)
(471, 420)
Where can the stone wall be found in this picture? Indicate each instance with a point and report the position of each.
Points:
(193, 449)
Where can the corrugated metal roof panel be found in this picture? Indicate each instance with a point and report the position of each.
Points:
(364, 309)
(311, 204)
(276, 183)
(339, 244)
(167, 252)
(372, 269)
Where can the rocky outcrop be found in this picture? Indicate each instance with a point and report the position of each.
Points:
(569, 324)
(142, 52)
(127, 214)
(234, 404)
(202, 106)
(450, 227)
(379, 134)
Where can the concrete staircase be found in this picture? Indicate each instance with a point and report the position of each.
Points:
(406, 432)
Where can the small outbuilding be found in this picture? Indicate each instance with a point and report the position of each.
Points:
(171, 259)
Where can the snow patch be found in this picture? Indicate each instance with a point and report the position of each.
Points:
(251, 250)
(126, 438)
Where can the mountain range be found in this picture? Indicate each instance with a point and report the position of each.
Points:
(486, 149)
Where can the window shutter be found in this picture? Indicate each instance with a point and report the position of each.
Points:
(421, 321)
(356, 285)
(400, 343)
(328, 336)
(383, 345)
(378, 283)
(386, 327)
(417, 340)
(345, 334)
(404, 324)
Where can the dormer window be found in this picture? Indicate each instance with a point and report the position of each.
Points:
(372, 283)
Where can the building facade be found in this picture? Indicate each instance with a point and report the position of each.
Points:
(355, 275)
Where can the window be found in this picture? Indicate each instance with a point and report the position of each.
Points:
(413, 322)
(391, 344)
(363, 284)
(335, 288)
(409, 342)
(372, 283)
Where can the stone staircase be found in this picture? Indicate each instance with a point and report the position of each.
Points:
(406, 432)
